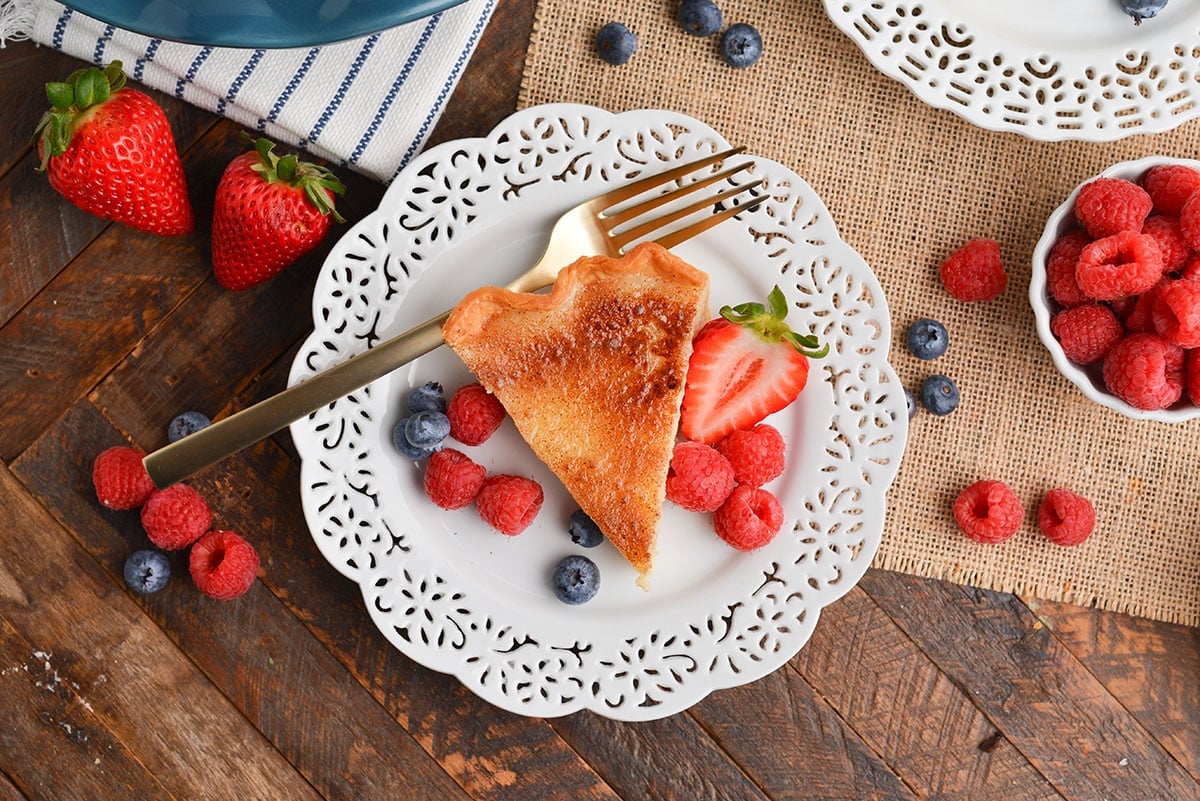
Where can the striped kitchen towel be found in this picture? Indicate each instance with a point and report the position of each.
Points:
(367, 104)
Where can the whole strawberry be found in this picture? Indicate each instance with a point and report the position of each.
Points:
(269, 211)
(109, 150)
(745, 365)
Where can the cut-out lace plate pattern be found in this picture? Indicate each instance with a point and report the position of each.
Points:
(462, 599)
(1063, 70)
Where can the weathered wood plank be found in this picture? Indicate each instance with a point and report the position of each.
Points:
(252, 649)
(8, 790)
(672, 758)
(88, 318)
(104, 683)
(922, 724)
(52, 741)
(1151, 668)
(1033, 689)
(793, 745)
(24, 71)
(42, 231)
(285, 679)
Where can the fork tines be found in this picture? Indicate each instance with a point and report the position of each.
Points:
(612, 220)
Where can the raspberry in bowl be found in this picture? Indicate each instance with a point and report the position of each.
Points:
(1115, 288)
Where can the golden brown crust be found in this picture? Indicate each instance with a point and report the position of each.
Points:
(592, 375)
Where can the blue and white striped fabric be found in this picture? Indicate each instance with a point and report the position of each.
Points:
(367, 104)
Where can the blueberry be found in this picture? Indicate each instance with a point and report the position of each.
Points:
(147, 571)
(615, 43)
(426, 398)
(583, 530)
(406, 448)
(427, 429)
(927, 339)
(1142, 9)
(939, 395)
(699, 17)
(741, 45)
(911, 401)
(186, 423)
(575, 580)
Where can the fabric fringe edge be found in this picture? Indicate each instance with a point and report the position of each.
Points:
(16, 20)
(988, 580)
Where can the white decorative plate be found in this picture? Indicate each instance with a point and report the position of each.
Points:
(1050, 69)
(460, 598)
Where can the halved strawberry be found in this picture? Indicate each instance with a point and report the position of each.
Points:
(745, 365)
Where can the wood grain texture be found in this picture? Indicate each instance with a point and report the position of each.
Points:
(109, 702)
(1029, 684)
(922, 723)
(8, 790)
(795, 746)
(909, 689)
(362, 753)
(1151, 669)
(663, 760)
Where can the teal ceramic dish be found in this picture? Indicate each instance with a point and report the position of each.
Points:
(259, 23)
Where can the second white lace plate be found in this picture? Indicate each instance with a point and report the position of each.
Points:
(1048, 69)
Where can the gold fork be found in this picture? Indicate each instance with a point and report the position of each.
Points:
(600, 226)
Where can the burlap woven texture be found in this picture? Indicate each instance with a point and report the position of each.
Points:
(907, 184)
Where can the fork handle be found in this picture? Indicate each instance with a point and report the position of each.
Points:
(226, 437)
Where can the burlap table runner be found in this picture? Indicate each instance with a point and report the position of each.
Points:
(907, 184)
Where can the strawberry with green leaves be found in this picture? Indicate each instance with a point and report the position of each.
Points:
(109, 150)
(269, 211)
(745, 365)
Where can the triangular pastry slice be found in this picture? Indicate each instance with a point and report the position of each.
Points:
(592, 375)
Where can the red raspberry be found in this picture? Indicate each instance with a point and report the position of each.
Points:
(1191, 269)
(1138, 318)
(1175, 312)
(223, 565)
(1170, 185)
(1191, 372)
(750, 518)
(1060, 268)
(1087, 333)
(176, 517)
(1145, 371)
(1066, 518)
(988, 511)
(1119, 265)
(452, 479)
(699, 478)
(509, 503)
(120, 478)
(1189, 221)
(474, 414)
(1108, 206)
(1123, 307)
(757, 454)
(974, 271)
(1166, 233)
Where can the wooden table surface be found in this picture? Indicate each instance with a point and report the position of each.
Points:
(909, 689)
